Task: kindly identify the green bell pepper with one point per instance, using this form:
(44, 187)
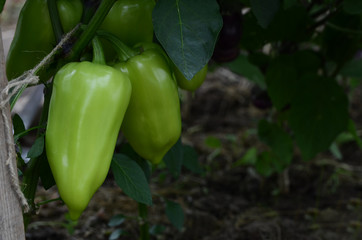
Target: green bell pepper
(34, 37)
(86, 110)
(194, 83)
(130, 21)
(152, 123)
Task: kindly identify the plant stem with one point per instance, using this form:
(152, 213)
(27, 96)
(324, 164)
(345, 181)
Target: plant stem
(54, 17)
(91, 29)
(89, 8)
(98, 56)
(124, 52)
(144, 227)
(49, 201)
(32, 173)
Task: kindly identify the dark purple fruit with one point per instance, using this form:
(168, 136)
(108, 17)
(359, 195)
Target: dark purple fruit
(227, 46)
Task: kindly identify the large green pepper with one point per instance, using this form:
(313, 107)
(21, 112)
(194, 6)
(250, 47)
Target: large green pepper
(86, 110)
(152, 123)
(130, 21)
(34, 37)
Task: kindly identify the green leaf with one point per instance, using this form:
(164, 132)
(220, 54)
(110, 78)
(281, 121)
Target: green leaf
(26, 132)
(213, 142)
(292, 24)
(2, 4)
(265, 164)
(307, 62)
(127, 149)
(190, 160)
(319, 112)
(283, 73)
(336, 151)
(188, 31)
(253, 37)
(18, 124)
(281, 78)
(173, 158)
(131, 179)
(46, 175)
(37, 149)
(279, 141)
(175, 214)
(249, 158)
(243, 67)
(116, 220)
(116, 234)
(352, 6)
(157, 229)
(265, 10)
(352, 69)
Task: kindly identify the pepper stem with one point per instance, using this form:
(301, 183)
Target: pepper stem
(98, 55)
(123, 51)
(91, 29)
(55, 19)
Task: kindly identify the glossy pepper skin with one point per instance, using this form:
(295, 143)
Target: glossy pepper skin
(87, 107)
(194, 83)
(130, 21)
(182, 82)
(152, 123)
(34, 37)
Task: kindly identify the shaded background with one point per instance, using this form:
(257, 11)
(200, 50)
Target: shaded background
(320, 199)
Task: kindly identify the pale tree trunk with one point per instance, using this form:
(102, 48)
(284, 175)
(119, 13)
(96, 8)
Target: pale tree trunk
(11, 218)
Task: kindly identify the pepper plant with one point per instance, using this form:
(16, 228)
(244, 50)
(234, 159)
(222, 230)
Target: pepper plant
(89, 99)
(301, 55)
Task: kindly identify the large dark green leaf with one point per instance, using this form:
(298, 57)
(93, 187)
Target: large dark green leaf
(131, 179)
(265, 10)
(188, 30)
(319, 112)
(283, 73)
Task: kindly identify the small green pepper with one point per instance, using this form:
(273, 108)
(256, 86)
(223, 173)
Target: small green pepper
(194, 83)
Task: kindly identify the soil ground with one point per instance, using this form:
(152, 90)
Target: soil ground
(316, 200)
